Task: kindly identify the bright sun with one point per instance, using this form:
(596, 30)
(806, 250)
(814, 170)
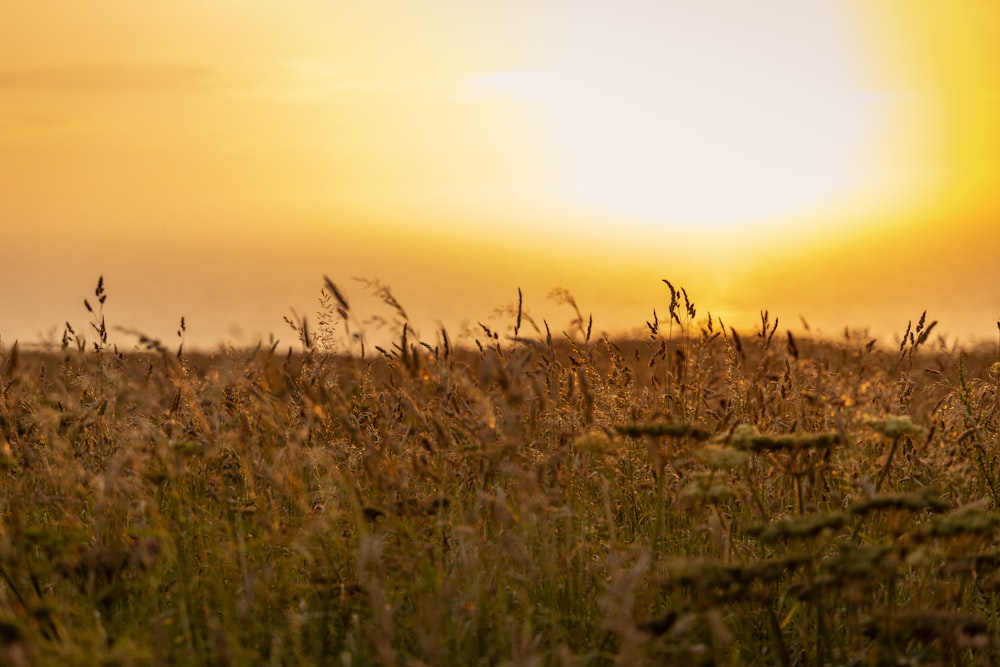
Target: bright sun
(686, 114)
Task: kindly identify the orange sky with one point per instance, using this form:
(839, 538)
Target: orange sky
(214, 159)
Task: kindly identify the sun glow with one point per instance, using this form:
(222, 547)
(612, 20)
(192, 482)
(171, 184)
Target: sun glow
(836, 159)
(688, 115)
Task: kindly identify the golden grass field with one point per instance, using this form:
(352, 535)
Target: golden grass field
(534, 496)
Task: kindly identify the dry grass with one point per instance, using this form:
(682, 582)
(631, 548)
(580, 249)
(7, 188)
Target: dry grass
(698, 497)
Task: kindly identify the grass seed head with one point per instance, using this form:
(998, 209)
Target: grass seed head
(895, 426)
(799, 527)
(721, 457)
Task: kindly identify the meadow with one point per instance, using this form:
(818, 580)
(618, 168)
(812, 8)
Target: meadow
(532, 495)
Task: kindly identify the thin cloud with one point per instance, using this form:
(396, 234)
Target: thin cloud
(306, 80)
(106, 78)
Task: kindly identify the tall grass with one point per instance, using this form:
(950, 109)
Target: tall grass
(534, 496)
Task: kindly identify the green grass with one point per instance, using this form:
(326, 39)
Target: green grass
(697, 497)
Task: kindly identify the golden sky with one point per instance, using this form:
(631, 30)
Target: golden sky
(213, 159)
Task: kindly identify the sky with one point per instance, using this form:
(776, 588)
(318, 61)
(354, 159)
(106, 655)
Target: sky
(834, 162)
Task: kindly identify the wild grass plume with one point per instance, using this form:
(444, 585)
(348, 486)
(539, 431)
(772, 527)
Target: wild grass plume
(531, 494)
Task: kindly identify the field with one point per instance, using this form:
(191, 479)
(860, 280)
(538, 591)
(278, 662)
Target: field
(535, 496)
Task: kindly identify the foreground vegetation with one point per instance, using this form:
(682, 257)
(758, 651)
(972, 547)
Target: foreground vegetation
(534, 497)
